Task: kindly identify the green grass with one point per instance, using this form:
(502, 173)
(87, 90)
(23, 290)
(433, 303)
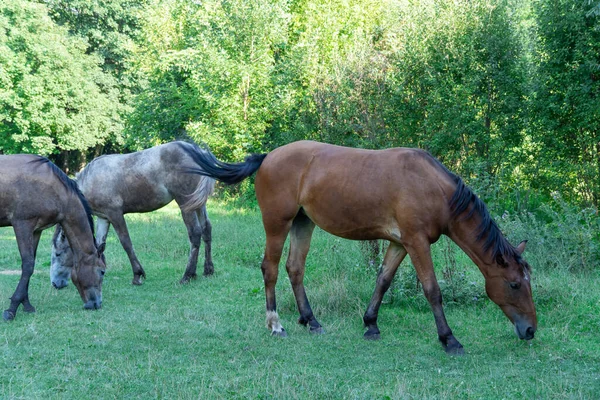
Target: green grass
(207, 340)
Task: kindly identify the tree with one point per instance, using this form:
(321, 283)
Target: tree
(568, 98)
(208, 67)
(53, 96)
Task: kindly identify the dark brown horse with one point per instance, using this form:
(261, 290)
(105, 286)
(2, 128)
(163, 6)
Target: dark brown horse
(139, 182)
(404, 196)
(34, 195)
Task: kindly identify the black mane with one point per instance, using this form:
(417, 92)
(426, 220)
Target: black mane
(487, 230)
(71, 186)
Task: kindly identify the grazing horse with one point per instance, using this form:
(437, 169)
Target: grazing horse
(404, 196)
(141, 182)
(34, 195)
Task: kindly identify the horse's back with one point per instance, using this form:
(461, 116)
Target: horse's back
(355, 193)
(28, 189)
(136, 182)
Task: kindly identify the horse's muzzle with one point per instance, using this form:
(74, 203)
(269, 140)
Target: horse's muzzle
(94, 301)
(60, 284)
(524, 331)
(93, 305)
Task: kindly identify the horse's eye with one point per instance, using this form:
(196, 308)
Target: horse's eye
(515, 285)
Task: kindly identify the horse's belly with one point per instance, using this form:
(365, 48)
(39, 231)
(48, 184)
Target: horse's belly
(355, 225)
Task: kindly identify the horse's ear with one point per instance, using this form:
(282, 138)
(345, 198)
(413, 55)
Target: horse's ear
(101, 249)
(521, 247)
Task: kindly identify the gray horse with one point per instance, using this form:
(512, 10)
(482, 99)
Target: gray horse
(139, 182)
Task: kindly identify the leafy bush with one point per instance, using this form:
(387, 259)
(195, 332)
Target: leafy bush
(560, 235)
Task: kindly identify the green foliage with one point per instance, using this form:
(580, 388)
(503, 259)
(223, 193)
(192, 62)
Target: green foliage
(109, 26)
(53, 95)
(568, 98)
(504, 92)
(211, 64)
(461, 83)
(560, 236)
(110, 29)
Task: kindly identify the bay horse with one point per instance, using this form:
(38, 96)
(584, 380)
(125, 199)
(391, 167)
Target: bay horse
(34, 195)
(401, 195)
(139, 182)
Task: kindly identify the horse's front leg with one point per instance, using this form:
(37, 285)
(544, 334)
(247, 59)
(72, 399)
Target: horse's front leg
(101, 233)
(27, 241)
(393, 257)
(420, 255)
(118, 221)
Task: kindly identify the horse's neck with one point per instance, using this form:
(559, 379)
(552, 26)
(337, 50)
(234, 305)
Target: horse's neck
(77, 229)
(464, 234)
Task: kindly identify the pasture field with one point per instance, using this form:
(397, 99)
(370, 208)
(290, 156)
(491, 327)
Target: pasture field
(208, 340)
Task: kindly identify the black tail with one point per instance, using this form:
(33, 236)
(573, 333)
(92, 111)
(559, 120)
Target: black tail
(222, 171)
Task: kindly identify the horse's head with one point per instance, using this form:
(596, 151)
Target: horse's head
(87, 276)
(508, 285)
(61, 260)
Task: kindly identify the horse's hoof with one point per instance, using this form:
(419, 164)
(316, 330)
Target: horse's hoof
(29, 309)
(208, 270)
(282, 333)
(317, 331)
(185, 280)
(455, 351)
(136, 282)
(8, 315)
(372, 335)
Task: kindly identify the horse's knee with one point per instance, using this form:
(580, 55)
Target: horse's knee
(295, 274)
(269, 273)
(27, 266)
(384, 282)
(207, 231)
(433, 294)
(195, 235)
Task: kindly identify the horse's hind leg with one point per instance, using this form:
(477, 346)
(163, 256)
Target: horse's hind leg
(28, 241)
(206, 228)
(300, 235)
(118, 221)
(276, 231)
(393, 257)
(194, 234)
(420, 256)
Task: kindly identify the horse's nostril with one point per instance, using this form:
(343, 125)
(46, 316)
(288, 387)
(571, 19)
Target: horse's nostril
(529, 333)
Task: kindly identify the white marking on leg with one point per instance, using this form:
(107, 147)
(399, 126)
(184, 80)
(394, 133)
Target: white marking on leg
(273, 322)
(101, 231)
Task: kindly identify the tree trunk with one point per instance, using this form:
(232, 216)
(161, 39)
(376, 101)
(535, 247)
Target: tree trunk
(81, 161)
(98, 150)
